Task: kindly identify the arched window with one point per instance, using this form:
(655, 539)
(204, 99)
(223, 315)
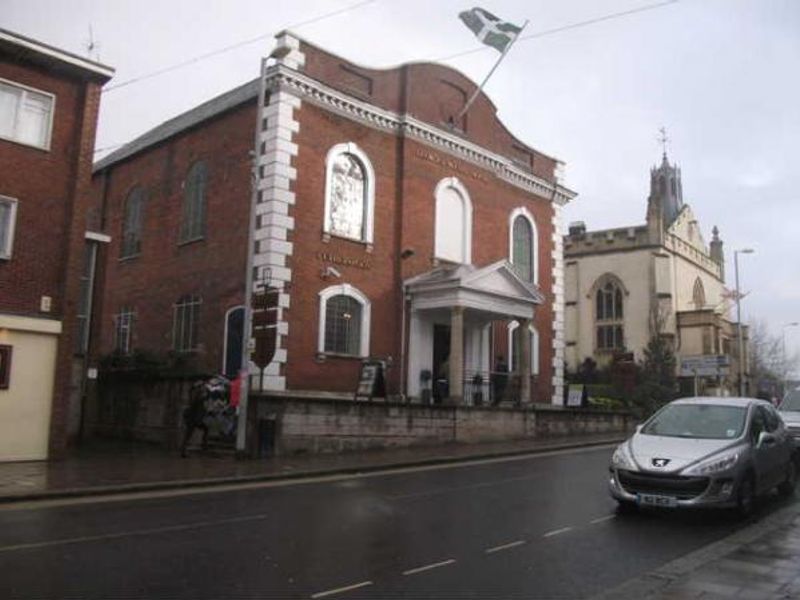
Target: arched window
(515, 347)
(193, 217)
(699, 294)
(609, 315)
(453, 241)
(344, 321)
(132, 223)
(349, 194)
(523, 245)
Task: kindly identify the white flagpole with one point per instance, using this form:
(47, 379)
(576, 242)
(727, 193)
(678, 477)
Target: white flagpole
(499, 60)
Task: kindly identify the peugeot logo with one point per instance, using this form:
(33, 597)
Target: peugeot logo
(660, 462)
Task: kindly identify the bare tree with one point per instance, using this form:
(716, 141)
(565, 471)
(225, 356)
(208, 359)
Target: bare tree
(770, 363)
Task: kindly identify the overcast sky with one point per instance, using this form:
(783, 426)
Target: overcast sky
(721, 75)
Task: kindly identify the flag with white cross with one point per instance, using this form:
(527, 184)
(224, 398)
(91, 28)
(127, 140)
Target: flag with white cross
(489, 29)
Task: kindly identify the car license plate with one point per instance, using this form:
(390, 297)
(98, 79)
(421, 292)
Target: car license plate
(656, 500)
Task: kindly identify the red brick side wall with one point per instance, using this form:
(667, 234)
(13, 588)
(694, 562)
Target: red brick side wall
(165, 270)
(53, 193)
(41, 181)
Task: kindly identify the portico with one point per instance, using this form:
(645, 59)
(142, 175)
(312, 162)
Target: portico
(452, 309)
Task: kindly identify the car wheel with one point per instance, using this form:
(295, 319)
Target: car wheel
(787, 487)
(746, 497)
(626, 507)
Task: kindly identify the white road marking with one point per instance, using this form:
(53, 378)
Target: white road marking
(311, 479)
(505, 546)
(340, 590)
(122, 534)
(602, 519)
(444, 563)
(557, 532)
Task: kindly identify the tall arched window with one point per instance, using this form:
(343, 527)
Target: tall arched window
(698, 294)
(609, 315)
(193, 217)
(132, 223)
(344, 321)
(515, 347)
(523, 245)
(453, 241)
(349, 194)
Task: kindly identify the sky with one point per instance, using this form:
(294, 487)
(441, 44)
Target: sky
(719, 75)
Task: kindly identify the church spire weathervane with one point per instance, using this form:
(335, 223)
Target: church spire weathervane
(663, 139)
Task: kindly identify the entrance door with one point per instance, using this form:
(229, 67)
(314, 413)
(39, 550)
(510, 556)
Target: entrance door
(441, 356)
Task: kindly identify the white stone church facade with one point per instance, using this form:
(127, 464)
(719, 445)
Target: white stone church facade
(624, 284)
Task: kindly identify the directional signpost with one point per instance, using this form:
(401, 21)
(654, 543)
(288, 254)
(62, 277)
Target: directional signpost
(705, 365)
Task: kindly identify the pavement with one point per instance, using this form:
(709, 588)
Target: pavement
(759, 560)
(112, 467)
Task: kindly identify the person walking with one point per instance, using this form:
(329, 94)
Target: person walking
(194, 416)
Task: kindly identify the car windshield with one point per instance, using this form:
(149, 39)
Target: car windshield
(791, 401)
(707, 421)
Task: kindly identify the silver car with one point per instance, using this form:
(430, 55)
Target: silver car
(698, 452)
(790, 412)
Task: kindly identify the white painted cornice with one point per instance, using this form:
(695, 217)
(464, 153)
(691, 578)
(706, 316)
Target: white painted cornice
(311, 90)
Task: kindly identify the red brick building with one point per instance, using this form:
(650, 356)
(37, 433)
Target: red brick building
(384, 225)
(49, 101)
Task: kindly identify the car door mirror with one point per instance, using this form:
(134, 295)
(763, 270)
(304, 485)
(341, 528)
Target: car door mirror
(639, 427)
(765, 439)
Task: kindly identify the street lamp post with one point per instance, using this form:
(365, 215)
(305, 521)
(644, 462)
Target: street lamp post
(784, 366)
(736, 254)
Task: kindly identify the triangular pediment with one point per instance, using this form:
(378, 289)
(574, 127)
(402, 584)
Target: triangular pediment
(500, 278)
(497, 279)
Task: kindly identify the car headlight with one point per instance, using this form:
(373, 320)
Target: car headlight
(621, 460)
(714, 465)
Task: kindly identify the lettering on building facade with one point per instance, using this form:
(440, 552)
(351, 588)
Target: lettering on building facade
(344, 261)
(450, 163)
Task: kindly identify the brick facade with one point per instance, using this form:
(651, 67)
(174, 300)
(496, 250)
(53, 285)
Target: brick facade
(407, 169)
(52, 189)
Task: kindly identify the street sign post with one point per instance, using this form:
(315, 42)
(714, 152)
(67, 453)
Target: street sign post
(704, 365)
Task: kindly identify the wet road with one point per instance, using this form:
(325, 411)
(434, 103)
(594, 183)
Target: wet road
(540, 526)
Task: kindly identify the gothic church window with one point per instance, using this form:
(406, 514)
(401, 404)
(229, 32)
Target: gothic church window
(609, 316)
(523, 245)
(349, 194)
(344, 321)
(698, 294)
(193, 218)
(453, 233)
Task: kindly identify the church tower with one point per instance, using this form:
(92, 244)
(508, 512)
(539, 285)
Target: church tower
(666, 190)
(717, 254)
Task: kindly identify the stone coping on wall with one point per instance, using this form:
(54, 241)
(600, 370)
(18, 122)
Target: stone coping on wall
(341, 399)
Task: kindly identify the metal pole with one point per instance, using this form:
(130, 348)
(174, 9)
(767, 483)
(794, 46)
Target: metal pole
(241, 429)
(739, 322)
(499, 60)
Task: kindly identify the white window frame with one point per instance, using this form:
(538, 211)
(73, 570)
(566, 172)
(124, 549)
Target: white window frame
(123, 324)
(513, 326)
(461, 190)
(25, 89)
(367, 236)
(526, 214)
(195, 302)
(345, 289)
(5, 253)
